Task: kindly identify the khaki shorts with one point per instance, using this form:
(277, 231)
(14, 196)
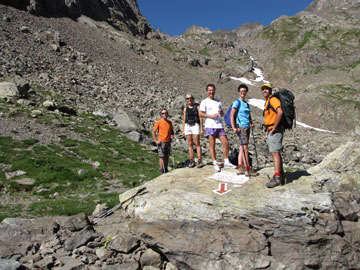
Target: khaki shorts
(164, 149)
(244, 135)
(274, 142)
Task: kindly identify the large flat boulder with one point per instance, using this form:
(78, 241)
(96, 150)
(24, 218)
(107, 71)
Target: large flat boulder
(202, 220)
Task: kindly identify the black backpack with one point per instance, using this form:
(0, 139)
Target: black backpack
(286, 98)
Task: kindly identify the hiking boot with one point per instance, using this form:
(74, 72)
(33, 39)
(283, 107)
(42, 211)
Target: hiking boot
(200, 164)
(241, 170)
(228, 165)
(250, 172)
(191, 163)
(283, 179)
(274, 182)
(216, 167)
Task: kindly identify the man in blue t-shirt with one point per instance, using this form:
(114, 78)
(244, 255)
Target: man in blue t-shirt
(241, 125)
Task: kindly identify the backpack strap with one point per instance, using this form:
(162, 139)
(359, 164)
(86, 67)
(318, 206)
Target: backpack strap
(269, 106)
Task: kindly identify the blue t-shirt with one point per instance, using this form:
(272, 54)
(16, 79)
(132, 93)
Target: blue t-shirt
(243, 116)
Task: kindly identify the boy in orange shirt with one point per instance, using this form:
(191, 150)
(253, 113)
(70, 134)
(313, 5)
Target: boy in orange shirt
(162, 134)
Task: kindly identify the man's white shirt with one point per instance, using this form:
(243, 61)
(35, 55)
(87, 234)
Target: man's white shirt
(212, 106)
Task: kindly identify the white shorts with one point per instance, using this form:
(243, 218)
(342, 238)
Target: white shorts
(192, 130)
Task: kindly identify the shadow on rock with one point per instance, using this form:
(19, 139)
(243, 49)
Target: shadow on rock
(293, 176)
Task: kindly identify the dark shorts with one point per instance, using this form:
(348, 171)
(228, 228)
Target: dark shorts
(217, 132)
(164, 149)
(274, 142)
(244, 135)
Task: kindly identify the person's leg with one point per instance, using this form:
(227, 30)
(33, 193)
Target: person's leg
(278, 164)
(212, 147)
(246, 156)
(241, 156)
(198, 146)
(191, 145)
(225, 146)
(161, 155)
(166, 161)
(161, 164)
(241, 164)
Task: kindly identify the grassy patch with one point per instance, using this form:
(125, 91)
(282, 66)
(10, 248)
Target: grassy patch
(169, 46)
(345, 94)
(205, 51)
(78, 172)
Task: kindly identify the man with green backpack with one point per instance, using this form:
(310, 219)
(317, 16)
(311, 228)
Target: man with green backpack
(274, 132)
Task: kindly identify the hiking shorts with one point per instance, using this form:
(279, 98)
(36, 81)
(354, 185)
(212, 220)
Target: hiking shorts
(192, 129)
(244, 135)
(164, 149)
(274, 142)
(217, 132)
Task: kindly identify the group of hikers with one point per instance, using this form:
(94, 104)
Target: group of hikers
(212, 111)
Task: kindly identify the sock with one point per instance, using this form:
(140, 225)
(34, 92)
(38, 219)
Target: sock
(226, 160)
(191, 157)
(240, 165)
(277, 174)
(214, 162)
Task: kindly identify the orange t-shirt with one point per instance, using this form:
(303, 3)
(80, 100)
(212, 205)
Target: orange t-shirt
(270, 115)
(164, 128)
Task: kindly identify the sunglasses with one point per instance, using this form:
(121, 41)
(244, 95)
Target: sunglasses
(189, 98)
(164, 113)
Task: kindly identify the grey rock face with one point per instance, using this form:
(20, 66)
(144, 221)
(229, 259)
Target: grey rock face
(8, 90)
(9, 265)
(126, 121)
(250, 226)
(80, 238)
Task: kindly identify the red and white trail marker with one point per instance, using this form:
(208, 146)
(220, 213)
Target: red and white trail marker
(223, 188)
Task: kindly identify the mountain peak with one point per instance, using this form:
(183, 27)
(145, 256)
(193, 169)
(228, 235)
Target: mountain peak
(194, 29)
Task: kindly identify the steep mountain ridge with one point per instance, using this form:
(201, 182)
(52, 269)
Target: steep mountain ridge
(122, 14)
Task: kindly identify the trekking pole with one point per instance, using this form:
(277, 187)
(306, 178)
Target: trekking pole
(173, 164)
(257, 161)
(118, 206)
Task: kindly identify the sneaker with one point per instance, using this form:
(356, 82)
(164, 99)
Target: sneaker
(241, 170)
(250, 172)
(274, 182)
(191, 163)
(216, 167)
(228, 165)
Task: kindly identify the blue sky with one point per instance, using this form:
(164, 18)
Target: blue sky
(174, 17)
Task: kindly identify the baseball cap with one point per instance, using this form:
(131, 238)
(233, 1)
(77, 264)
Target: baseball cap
(268, 85)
